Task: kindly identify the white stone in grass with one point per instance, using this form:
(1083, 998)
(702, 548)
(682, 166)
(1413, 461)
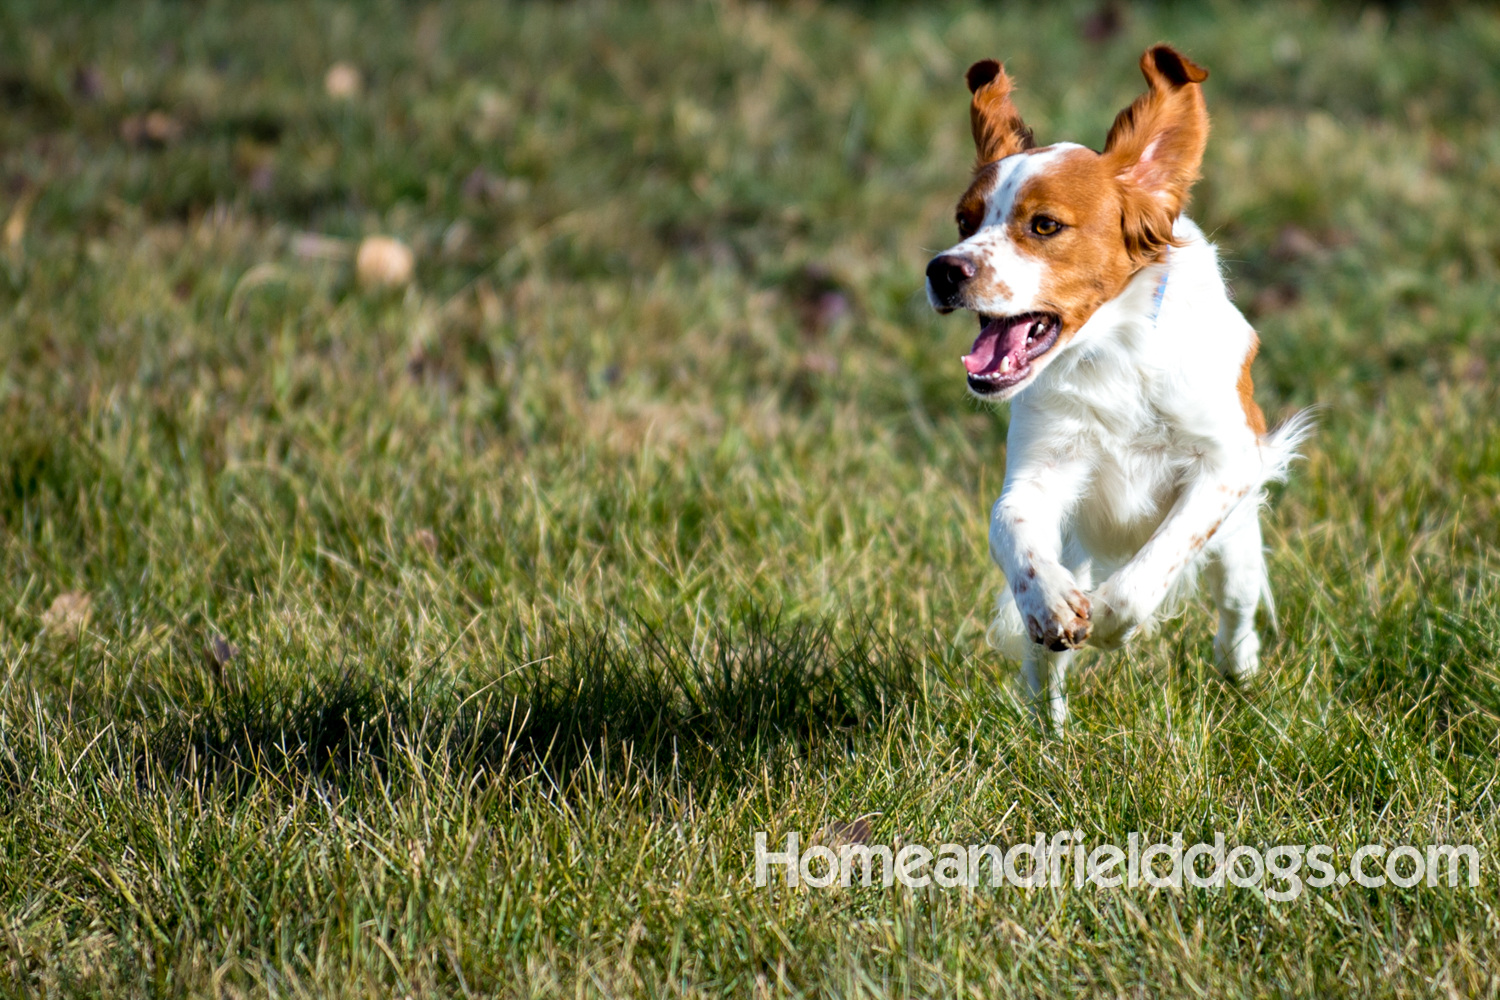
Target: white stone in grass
(427, 539)
(384, 262)
(344, 81)
(69, 614)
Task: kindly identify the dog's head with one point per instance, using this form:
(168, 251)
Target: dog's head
(1050, 234)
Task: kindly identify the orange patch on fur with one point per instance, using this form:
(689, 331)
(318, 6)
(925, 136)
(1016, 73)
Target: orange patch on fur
(1246, 386)
(1087, 263)
(971, 206)
(997, 125)
(1155, 147)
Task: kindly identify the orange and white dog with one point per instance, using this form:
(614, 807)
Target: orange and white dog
(1136, 453)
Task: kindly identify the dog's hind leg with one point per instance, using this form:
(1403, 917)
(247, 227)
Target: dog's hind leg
(1044, 680)
(1236, 576)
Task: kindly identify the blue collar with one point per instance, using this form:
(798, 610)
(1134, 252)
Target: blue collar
(1158, 295)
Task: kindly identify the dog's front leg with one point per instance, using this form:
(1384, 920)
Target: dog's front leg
(1026, 542)
(1129, 597)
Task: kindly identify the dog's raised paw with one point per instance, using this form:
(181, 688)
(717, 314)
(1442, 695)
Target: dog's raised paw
(1063, 628)
(1115, 619)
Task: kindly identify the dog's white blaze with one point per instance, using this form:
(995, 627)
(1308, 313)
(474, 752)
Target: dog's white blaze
(1014, 172)
(1019, 273)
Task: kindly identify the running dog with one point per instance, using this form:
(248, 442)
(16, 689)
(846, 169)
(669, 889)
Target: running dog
(1137, 455)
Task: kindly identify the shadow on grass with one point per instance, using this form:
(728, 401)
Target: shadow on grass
(759, 690)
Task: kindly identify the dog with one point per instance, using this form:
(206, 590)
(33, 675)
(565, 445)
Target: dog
(1136, 455)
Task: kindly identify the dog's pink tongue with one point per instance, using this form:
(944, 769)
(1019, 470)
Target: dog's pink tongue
(1000, 339)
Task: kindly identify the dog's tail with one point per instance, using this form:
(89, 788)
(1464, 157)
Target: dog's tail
(1278, 450)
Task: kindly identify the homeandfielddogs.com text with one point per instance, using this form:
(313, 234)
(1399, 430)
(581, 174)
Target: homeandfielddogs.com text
(1064, 859)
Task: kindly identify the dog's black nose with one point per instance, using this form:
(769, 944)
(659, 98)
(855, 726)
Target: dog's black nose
(948, 273)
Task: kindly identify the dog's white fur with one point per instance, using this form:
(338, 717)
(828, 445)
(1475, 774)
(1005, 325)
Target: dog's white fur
(1130, 463)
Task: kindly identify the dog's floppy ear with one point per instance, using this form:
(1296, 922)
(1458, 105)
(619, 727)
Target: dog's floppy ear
(1156, 146)
(998, 129)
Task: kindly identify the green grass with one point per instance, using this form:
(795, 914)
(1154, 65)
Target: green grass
(456, 640)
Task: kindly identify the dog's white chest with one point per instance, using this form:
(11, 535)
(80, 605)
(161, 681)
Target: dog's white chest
(1128, 495)
(1133, 458)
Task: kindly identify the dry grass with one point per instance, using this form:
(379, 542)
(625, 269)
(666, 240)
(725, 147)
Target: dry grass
(454, 639)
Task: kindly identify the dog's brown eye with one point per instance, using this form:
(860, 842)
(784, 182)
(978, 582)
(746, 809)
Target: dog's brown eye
(968, 224)
(1044, 226)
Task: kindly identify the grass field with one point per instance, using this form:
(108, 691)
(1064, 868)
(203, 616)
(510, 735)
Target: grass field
(455, 639)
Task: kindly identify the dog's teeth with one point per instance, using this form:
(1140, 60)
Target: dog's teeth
(1005, 364)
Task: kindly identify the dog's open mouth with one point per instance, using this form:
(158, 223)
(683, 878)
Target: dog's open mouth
(1006, 347)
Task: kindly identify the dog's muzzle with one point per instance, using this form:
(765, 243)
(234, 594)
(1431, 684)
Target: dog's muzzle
(946, 276)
